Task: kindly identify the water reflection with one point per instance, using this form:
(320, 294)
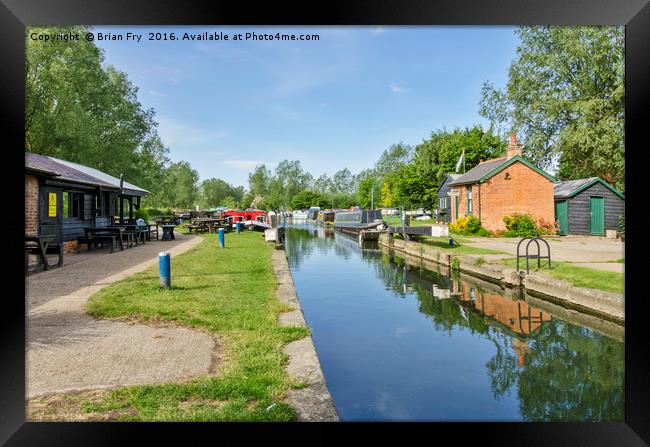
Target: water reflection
(486, 354)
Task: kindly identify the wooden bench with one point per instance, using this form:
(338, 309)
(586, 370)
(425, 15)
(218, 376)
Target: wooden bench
(194, 227)
(99, 239)
(41, 246)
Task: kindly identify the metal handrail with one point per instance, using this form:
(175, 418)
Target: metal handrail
(538, 255)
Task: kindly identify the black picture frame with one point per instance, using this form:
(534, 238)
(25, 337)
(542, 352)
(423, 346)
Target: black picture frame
(634, 14)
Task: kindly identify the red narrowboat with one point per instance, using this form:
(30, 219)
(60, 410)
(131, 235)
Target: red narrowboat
(245, 215)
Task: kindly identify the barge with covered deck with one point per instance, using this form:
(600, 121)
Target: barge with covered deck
(354, 222)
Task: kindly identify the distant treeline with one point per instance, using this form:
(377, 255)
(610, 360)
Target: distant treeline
(563, 98)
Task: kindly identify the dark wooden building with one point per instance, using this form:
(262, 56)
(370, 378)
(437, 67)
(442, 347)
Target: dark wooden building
(444, 198)
(588, 206)
(62, 198)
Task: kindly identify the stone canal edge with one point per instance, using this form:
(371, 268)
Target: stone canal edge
(607, 305)
(313, 403)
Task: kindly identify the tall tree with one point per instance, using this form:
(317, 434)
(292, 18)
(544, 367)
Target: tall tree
(565, 99)
(322, 184)
(214, 191)
(258, 181)
(182, 185)
(343, 182)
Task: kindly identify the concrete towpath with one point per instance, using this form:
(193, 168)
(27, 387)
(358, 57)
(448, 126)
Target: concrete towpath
(585, 251)
(68, 350)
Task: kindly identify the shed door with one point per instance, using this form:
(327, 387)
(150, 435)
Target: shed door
(50, 213)
(562, 216)
(597, 213)
(456, 206)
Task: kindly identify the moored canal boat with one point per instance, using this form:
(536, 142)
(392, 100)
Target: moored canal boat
(312, 214)
(356, 221)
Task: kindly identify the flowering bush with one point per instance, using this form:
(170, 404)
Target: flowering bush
(524, 225)
(549, 228)
(469, 226)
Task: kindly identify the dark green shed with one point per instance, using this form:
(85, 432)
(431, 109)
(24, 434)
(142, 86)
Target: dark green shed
(588, 206)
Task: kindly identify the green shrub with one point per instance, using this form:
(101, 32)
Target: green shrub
(142, 214)
(468, 226)
(455, 263)
(521, 225)
(483, 232)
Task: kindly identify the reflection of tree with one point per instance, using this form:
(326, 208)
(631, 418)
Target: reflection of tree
(560, 372)
(573, 374)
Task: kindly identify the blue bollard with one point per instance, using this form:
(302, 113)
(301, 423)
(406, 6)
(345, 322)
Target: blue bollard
(165, 269)
(238, 227)
(451, 242)
(222, 241)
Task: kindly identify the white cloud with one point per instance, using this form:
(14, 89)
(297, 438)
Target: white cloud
(377, 31)
(176, 133)
(155, 93)
(399, 89)
(246, 164)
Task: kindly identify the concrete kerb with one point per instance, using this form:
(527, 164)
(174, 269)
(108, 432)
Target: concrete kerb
(69, 351)
(603, 304)
(312, 403)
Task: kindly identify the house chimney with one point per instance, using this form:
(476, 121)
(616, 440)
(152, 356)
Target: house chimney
(514, 148)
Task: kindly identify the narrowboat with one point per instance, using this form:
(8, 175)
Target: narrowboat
(299, 215)
(326, 217)
(355, 221)
(245, 215)
(312, 214)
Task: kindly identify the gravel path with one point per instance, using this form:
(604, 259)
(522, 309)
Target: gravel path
(68, 350)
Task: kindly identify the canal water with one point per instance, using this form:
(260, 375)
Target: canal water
(401, 340)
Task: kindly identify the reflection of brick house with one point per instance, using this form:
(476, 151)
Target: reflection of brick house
(501, 187)
(516, 316)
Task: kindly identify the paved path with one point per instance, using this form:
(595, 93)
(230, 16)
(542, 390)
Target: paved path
(592, 249)
(68, 350)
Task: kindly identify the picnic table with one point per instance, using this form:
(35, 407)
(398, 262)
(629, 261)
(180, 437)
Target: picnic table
(95, 235)
(202, 224)
(40, 245)
(152, 231)
(168, 232)
(135, 233)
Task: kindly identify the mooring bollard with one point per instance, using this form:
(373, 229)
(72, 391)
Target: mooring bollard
(222, 241)
(165, 269)
(238, 227)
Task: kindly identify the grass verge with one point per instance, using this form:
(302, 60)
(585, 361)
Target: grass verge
(458, 248)
(229, 292)
(578, 276)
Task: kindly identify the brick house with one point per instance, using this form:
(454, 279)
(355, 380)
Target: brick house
(501, 187)
(62, 198)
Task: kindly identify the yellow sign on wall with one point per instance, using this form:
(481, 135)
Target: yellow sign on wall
(52, 205)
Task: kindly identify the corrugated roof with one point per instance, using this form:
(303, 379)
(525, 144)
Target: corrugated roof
(65, 170)
(114, 181)
(478, 171)
(565, 189)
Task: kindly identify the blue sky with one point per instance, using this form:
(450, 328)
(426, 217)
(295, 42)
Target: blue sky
(226, 106)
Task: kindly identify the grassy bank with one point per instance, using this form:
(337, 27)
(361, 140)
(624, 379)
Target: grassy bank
(230, 293)
(578, 276)
(442, 243)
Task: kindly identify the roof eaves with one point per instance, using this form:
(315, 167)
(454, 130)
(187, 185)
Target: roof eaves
(511, 161)
(590, 183)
